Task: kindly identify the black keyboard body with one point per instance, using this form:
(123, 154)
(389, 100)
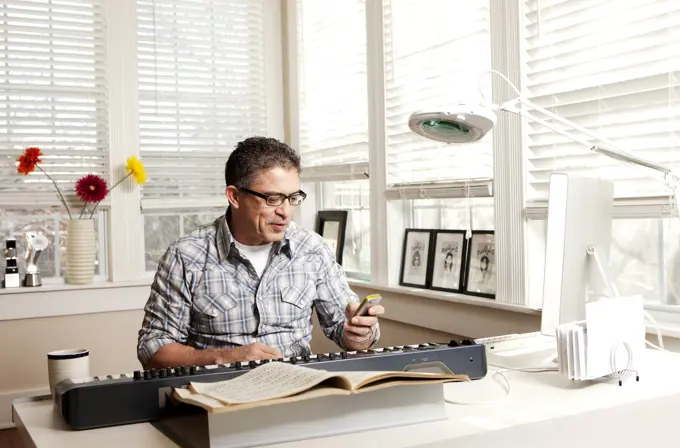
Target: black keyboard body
(143, 396)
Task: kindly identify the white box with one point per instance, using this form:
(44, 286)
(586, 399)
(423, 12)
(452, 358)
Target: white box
(319, 417)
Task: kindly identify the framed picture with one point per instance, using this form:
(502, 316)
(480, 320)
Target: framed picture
(331, 225)
(448, 260)
(415, 257)
(480, 273)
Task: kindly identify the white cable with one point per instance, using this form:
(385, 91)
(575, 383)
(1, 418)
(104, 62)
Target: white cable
(527, 369)
(484, 403)
(479, 83)
(659, 348)
(658, 330)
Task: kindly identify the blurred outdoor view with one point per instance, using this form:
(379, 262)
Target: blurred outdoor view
(161, 229)
(52, 223)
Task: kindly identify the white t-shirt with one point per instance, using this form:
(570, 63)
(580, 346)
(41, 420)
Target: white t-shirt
(257, 255)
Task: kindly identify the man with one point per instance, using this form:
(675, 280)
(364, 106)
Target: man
(243, 288)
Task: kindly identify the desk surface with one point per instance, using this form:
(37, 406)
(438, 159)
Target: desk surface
(534, 398)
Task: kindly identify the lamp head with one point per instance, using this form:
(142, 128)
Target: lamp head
(463, 123)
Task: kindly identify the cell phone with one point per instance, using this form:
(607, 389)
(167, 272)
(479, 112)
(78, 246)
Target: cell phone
(369, 301)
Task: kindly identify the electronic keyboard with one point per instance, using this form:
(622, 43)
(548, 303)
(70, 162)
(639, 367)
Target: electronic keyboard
(144, 395)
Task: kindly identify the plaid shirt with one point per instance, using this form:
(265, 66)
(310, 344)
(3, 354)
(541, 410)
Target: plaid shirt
(205, 294)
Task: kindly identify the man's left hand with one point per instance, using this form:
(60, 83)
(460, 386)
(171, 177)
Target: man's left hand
(361, 329)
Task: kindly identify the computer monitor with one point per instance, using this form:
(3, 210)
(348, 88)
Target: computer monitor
(577, 248)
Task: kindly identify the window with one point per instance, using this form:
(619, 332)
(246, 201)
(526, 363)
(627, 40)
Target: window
(333, 117)
(612, 70)
(202, 89)
(643, 259)
(431, 56)
(14, 223)
(352, 196)
(52, 95)
(434, 56)
(163, 227)
(457, 213)
(332, 95)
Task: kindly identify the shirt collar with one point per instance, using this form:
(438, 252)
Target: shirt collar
(225, 238)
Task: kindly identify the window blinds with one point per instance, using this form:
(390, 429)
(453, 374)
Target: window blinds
(434, 56)
(52, 95)
(202, 89)
(333, 115)
(613, 70)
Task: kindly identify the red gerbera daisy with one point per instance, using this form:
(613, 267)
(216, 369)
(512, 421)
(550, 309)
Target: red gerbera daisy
(91, 188)
(28, 160)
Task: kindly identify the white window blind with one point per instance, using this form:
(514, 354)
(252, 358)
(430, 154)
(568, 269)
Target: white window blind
(613, 69)
(52, 95)
(202, 89)
(434, 54)
(333, 104)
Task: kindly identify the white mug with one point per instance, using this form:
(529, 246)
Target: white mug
(67, 364)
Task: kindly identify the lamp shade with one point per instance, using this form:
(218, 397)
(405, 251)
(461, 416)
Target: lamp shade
(462, 124)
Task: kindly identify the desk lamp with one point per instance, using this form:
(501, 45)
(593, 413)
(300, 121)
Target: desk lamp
(466, 123)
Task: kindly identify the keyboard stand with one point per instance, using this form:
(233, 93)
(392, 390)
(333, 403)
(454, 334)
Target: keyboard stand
(319, 417)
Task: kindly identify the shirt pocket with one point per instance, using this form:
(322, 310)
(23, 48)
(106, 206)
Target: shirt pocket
(211, 313)
(296, 298)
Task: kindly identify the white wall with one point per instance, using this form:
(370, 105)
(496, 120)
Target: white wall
(110, 337)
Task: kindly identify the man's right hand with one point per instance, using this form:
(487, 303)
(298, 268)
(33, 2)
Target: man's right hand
(176, 354)
(251, 352)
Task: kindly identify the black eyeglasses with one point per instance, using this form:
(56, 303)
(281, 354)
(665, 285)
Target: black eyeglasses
(275, 200)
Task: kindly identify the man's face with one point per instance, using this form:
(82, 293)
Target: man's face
(264, 223)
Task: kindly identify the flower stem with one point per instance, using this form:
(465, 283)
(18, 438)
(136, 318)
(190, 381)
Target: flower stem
(93, 209)
(116, 184)
(110, 190)
(63, 201)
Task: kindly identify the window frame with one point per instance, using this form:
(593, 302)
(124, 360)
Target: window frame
(385, 200)
(123, 230)
(516, 242)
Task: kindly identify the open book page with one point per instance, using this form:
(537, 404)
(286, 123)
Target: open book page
(204, 401)
(278, 382)
(363, 379)
(268, 381)
(217, 407)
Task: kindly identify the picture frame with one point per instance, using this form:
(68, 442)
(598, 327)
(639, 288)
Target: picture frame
(331, 225)
(415, 257)
(480, 272)
(448, 259)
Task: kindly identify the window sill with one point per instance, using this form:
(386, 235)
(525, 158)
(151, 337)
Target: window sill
(54, 300)
(667, 329)
(65, 299)
(669, 322)
(446, 296)
(60, 286)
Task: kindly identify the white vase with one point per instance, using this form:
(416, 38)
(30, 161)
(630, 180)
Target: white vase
(80, 251)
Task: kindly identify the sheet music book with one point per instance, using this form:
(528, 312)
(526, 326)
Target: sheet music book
(599, 345)
(279, 382)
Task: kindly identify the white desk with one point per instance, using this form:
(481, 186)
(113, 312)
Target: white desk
(542, 410)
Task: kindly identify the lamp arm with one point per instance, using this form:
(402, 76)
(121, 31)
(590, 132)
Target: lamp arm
(608, 149)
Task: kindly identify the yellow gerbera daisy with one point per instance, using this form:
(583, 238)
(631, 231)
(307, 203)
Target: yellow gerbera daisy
(135, 166)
